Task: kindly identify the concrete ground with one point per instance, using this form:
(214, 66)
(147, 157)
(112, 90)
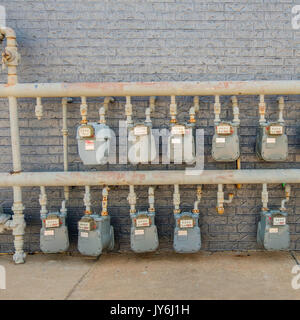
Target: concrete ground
(162, 275)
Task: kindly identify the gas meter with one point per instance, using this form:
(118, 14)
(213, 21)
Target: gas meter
(272, 142)
(273, 231)
(225, 143)
(181, 144)
(143, 236)
(187, 237)
(94, 142)
(141, 143)
(54, 233)
(95, 234)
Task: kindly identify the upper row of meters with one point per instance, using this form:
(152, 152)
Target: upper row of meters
(96, 141)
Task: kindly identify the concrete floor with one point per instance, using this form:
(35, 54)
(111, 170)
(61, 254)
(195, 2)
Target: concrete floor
(162, 275)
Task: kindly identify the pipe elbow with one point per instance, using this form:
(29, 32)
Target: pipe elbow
(8, 32)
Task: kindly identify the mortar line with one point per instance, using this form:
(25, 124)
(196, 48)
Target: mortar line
(81, 279)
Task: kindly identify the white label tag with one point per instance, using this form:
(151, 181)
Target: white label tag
(89, 144)
(271, 140)
(84, 226)
(279, 221)
(223, 130)
(139, 232)
(84, 234)
(182, 232)
(220, 140)
(140, 131)
(49, 232)
(177, 141)
(273, 230)
(188, 223)
(145, 222)
(52, 223)
(276, 129)
(178, 130)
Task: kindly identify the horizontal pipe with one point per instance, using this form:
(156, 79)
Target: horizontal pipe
(154, 177)
(32, 90)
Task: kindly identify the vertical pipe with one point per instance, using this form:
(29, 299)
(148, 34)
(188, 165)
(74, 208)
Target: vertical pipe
(18, 218)
(265, 196)
(217, 110)
(281, 108)
(176, 199)
(104, 211)
(65, 142)
(173, 109)
(151, 199)
(262, 109)
(87, 200)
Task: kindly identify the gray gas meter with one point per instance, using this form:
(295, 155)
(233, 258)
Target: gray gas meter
(54, 233)
(181, 144)
(273, 231)
(143, 236)
(94, 143)
(225, 143)
(272, 142)
(187, 237)
(141, 144)
(95, 234)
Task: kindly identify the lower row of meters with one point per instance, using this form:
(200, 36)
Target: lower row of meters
(97, 234)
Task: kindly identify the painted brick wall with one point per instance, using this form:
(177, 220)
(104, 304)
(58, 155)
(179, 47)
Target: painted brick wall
(160, 40)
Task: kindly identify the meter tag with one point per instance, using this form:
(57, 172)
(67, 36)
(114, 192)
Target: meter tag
(276, 130)
(140, 131)
(84, 234)
(49, 232)
(279, 221)
(182, 232)
(145, 222)
(89, 145)
(84, 225)
(271, 140)
(224, 129)
(220, 140)
(186, 223)
(176, 141)
(52, 223)
(178, 130)
(273, 230)
(139, 232)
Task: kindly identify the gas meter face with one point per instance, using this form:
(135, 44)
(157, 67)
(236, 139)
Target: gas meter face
(273, 232)
(95, 234)
(225, 143)
(54, 236)
(181, 144)
(141, 144)
(272, 143)
(94, 140)
(143, 235)
(187, 236)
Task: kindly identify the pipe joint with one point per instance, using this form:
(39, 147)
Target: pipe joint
(39, 108)
(173, 109)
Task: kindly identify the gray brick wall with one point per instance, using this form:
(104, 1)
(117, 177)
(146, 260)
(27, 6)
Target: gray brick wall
(159, 40)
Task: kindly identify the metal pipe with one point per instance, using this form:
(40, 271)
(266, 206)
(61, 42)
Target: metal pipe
(151, 199)
(217, 110)
(262, 109)
(43, 202)
(287, 196)
(83, 110)
(235, 110)
(199, 196)
(123, 89)
(194, 109)
(265, 196)
(173, 109)
(104, 211)
(281, 108)
(153, 177)
(132, 199)
(128, 111)
(39, 108)
(176, 199)
(65, 142)
(87, 200)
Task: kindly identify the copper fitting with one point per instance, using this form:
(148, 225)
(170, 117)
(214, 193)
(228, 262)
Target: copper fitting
(220, 210)
(195, 211)
(87, 212)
